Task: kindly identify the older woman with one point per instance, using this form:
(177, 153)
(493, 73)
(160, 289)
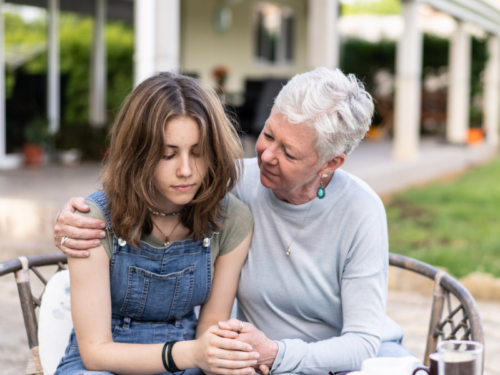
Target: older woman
(314, 287)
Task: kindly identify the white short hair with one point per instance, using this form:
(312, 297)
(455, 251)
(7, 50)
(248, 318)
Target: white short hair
(336, 106)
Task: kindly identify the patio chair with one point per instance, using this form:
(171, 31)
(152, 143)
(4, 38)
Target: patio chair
(20, 267)
(450, 325)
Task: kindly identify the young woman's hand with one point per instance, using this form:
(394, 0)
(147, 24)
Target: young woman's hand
(216, 351)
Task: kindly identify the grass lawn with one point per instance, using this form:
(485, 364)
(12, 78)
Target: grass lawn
(451, 224)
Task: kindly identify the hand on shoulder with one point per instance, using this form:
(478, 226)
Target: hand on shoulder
(82, 232)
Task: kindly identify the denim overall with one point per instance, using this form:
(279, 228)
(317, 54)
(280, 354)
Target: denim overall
(153, 293)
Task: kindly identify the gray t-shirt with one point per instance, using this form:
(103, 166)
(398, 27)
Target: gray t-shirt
(325, 302)
(237, 225)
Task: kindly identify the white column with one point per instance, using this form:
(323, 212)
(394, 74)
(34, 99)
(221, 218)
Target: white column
(3, 129)
(459, 85)
(492, 91)
(157, 37)
(408, 86)
(98, 76)
(53, 76)
(168, 21)
(323, 40)
(145, 42)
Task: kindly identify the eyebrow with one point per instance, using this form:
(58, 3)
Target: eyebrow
(174, 146)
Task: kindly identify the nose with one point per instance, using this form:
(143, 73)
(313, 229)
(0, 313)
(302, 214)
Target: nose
(269, 155)
(185, 169)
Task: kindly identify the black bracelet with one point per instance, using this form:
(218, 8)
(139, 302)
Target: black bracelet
(163, 357)
(171, 362)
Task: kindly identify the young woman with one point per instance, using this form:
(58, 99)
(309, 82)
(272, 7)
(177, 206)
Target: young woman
(175, 239)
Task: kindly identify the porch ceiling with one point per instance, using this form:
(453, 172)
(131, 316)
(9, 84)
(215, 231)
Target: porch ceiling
(117, 9)
(478, 12)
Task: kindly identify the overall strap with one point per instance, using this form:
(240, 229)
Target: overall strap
(100, 199)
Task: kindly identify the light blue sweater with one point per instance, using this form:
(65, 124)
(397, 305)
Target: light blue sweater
(325, 302)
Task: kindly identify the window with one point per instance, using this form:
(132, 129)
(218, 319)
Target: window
(275, 34)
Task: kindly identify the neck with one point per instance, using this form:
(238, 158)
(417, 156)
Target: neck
(164, 205)
(302, 194)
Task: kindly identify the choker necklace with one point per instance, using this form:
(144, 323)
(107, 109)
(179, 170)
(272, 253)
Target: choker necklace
(166, 215)
(288, 251)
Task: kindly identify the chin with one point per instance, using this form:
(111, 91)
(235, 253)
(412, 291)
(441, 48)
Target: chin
(180, 199)
(266, 182)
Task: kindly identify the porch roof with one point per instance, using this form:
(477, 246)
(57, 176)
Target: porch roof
(479, 12)
(116, 9)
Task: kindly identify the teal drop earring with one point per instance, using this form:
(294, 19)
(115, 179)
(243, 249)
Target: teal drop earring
(320, 193)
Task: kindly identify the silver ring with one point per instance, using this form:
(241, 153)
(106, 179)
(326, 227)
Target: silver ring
(63, 240)
(241, 326)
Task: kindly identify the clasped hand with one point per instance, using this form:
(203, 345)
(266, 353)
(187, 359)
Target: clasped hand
(224, 350)
(249, 334)
(217, 351)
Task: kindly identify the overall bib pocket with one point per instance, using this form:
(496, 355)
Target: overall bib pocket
(158, 297)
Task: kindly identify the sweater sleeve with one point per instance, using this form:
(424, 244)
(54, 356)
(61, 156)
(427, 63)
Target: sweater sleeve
(363, 295)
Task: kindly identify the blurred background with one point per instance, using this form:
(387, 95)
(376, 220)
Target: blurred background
(432, 66)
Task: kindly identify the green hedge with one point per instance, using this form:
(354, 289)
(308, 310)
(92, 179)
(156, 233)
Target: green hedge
(75, 48)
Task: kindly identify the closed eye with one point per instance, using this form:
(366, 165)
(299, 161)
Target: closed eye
(288, 155)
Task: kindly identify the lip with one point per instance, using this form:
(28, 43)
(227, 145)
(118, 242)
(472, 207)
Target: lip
(183, 188)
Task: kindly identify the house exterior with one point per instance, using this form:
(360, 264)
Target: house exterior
(252, 39)
(244, 46)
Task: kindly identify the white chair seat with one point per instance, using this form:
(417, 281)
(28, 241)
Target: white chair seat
(54, 322)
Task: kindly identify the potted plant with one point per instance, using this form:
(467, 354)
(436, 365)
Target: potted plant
(37, 137)
(475, 136)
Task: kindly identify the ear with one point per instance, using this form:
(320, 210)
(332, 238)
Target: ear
(332, 165)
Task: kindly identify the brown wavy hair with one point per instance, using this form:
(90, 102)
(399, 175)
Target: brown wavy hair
(138, 144)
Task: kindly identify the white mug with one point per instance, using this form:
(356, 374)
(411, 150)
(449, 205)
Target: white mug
(389, 366)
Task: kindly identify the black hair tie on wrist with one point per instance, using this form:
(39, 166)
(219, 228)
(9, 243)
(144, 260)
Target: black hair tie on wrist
(170, 367)
(163, 357)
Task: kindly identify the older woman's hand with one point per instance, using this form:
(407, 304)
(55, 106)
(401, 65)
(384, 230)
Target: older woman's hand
(83, 232)
(268, 349)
